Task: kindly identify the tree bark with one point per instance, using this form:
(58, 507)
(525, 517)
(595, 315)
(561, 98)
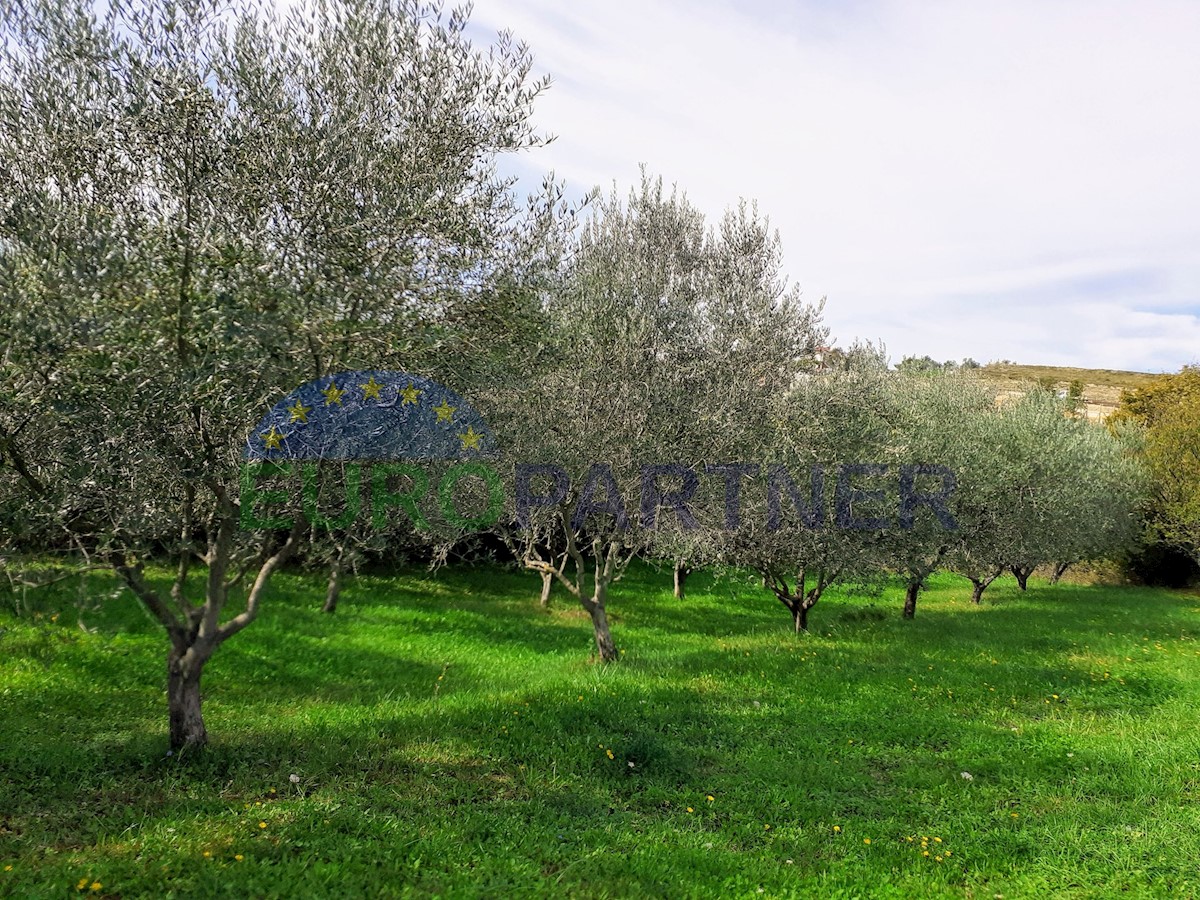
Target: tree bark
(1060, 569)
(334, 589)
(980, 585)
(604, 641)
(195, 631)
(186, 720)
(547, 582)
(681, 575)
(800, 617)
(595, 607)
(910, 599)
(1022, 574)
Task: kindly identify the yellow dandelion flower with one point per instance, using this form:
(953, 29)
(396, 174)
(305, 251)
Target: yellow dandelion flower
(609, 753)
(866, 840)
(947, 852)
(238, 857)
(766, 827)
(937, 840)
(690, 809)
(710, 798)
(938, 858)
(96, 885)
(207, 854)
(837, 829)
(8, 868)
(924, 852)
(82, 884)
(262, 824)
(1014, 815)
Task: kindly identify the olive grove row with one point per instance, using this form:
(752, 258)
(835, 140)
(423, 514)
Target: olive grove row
(206, 206)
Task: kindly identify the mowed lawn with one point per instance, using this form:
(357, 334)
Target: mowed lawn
(452, 739)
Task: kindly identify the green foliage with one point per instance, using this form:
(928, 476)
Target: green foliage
(263, 199)
(670, 338)
(918, 365)
(1046, 486)
(1169, 410)
(206, 205)
(1160, 396)
(447, 742)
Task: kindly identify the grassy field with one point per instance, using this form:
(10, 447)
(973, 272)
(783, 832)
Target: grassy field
(1102, 388)
(1062, 376)
(451, 739)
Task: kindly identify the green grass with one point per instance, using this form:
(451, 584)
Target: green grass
(451, 739)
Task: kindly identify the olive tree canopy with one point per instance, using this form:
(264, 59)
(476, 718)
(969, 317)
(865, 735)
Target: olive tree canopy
(206, 205)
(669, 339)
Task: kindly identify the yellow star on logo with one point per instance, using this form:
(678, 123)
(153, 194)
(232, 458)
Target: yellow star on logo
(445, 412)
(272, 438)
(371, 389)
(299, 412)
(470, 440)
(409, 395)
(333, 394)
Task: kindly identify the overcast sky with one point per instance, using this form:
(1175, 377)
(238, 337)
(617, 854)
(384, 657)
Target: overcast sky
(1009, 180)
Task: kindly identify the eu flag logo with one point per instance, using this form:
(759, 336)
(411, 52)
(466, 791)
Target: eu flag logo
(370, 415)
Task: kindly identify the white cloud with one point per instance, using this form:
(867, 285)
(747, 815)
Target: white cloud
(1001, 181)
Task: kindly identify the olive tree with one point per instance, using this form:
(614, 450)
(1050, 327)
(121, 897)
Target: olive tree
(667, 338)
(800, 524)
(1069, 490)
(1048, 487)
(207, 205)
(758, 340)
(932, 444)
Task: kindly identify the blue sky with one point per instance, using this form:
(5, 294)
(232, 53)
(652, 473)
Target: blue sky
(1001, 181)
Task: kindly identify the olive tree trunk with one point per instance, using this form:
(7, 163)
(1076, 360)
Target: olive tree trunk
(682, 572)
(981, 583)
(195, 630)
(1022, 573)
(601, 567)
(184, 716)
(803, 598)
(910, 597)
(333, 590)
(604, 640)
(1060, 569)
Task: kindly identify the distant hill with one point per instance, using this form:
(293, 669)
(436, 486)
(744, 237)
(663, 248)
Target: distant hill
(1101, 387)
